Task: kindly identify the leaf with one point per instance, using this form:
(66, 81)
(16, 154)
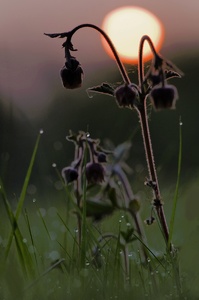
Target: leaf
(98, 209)
(112, 195)
(54, 35)
(104, 88)
(170, 74)
(121, 151)
(127, 235)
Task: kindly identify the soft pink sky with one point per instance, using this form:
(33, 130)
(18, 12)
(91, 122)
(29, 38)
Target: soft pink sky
(25, 53)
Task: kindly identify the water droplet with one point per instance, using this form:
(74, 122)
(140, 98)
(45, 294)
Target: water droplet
(24, 241)
(120, 221)
(122, 216)
(54, 255)
(87, 134)
(34, 200)
(41, 131)
(128, 224)
(181, 123)
(76, 230)
(32, 189)
(54, 165)
(148, 259)
(87, 263)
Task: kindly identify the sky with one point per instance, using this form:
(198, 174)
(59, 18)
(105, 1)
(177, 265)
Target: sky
(30, 62)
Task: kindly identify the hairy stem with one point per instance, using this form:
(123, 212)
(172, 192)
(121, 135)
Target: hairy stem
(112, 47)
(152, 170)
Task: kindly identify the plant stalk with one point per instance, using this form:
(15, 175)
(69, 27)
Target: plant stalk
(152, 170)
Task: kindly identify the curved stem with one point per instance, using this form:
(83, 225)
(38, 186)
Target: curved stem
(152, 169)
(120, 64)
(141, 47)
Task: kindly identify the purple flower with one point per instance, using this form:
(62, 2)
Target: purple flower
(72, 74)
(164, 96)
(69, 174)
(126, 95)
(94, 172)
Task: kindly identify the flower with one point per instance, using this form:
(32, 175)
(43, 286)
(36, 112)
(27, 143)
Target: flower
(94, 172)
(126, 95)
(164, 96)
(72, 74)
(101, 156)
(69, 174)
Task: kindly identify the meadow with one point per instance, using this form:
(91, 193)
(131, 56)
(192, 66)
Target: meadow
(89, 222)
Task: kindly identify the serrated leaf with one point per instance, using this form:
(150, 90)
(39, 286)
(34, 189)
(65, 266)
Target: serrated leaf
(104, 88)
(170, 74)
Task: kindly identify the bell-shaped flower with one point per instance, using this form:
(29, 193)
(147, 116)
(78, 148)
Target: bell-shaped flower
(94, 172)
(126, 95)
(69, 174)
(72, 74)
(164, 96)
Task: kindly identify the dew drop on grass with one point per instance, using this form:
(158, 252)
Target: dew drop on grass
(128, 224)
(87, 134)
(54, 255)
(34, 200)
(41, 131)
(180, 123)
(54, 165)
(24, 241)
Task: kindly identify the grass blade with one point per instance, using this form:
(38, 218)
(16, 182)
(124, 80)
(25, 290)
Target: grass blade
(23, 192)
(22, 250)
(175, 199)
(27, 178)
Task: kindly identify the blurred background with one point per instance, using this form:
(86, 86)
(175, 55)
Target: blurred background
(32, 96)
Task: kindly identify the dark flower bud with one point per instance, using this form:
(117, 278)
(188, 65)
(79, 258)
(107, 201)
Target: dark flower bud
(164, 97)
(126, 95)
(69, 174)
(94, 172)
(72, 74)
(101, 156)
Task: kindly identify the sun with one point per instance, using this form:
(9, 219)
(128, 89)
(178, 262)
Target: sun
(125, 26)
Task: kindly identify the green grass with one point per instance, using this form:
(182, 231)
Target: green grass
(40, 258)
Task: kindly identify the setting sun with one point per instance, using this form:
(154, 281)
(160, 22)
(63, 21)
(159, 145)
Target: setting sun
(125, 26)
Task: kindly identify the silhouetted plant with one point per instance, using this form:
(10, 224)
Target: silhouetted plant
(151, 86)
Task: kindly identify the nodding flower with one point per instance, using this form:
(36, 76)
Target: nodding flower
(126, 95)
(69, 174)
(94, 172)
(72, 74)
(163, 97)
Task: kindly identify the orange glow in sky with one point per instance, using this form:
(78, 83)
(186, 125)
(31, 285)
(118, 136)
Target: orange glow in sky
(125, 26)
